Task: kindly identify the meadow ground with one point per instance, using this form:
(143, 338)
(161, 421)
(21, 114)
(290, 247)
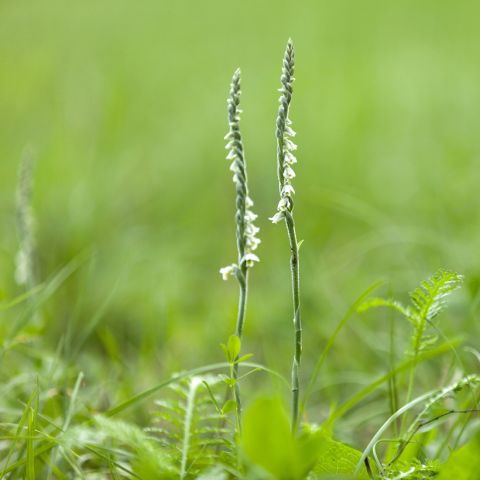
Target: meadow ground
(123, 105)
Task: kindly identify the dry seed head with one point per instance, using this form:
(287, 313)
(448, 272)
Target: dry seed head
(246, 231)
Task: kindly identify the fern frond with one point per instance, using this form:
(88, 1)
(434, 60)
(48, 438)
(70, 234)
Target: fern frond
(385, 302)
(430, 298)
(427, 301)
(188, 426)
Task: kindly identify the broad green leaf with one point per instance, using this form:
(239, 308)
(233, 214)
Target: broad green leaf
(463, 464)
(229, 406)
(225, 351)
(267, 440)
(337, 458)
(233, 347)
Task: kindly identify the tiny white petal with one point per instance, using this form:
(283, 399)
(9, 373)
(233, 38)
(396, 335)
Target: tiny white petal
(289, 145)
(231, 155)
(250, 216)
(248, 202)
(227, 271)
(288, 190)
(278, 217)
(230, 144)
(290, 131)
(282, 204)
(288, 173)
(290, 158)
(253, 242)
(250, 259)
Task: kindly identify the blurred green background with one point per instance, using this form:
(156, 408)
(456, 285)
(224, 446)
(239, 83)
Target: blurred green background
(124, 104)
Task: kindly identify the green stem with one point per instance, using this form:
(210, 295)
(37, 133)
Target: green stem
(295, 271)
(242, 304)
(411, 378)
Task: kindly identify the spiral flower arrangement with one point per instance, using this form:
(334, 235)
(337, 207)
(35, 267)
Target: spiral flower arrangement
(284, 133)
(246, 231)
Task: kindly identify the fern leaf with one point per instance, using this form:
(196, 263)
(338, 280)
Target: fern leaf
(430, 298)
(427, 301)
(385, 302)
(191, 429)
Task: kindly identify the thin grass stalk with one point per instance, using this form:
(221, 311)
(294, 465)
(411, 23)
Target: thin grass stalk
(246, 231)
(285, 162)
(25, 270)
(384, 427)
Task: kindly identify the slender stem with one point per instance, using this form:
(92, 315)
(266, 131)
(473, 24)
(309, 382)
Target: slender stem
(245, 232)
(389, 421)
(295, 271)
(242, 303)
(420, 425)
(411, 381)
(285, 160)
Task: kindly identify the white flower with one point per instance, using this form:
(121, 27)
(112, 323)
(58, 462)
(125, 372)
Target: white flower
(228, 271)
(231, 155)
(290, 158)
(250, 259)
(289, 145)
(288, 173)
(247, 241)
(251, 229)
(282, 204)
(287, 190)
(278, 217)
(289, 131)
(253, 243)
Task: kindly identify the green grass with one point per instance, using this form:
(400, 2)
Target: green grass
(123, 107)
